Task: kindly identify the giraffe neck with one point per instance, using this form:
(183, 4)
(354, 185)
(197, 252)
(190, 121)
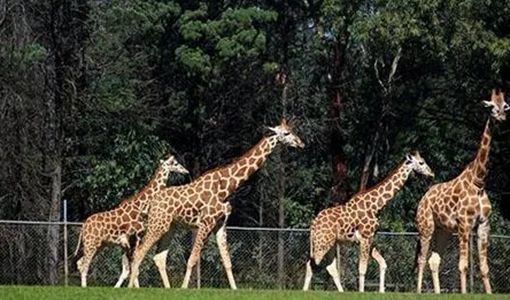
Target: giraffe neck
(385, 191)
(158, 181)
(478, 167)
(236, 173)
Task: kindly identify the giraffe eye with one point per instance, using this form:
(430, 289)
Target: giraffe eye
(421, 163)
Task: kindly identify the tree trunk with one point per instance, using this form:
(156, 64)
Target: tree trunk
(281, 199)
(339, 159)
(54, 230)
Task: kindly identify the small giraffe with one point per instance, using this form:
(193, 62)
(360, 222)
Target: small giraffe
(203, 205)
(122, 225)
(458, 206)
(356, 221)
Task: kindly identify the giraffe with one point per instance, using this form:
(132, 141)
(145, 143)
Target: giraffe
(356, 221)
(123, 225)
(458, 206)
(203, 205)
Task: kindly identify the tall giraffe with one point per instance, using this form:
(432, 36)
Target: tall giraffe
(123, 225)
(458, 206)
(356, 221)
(203, 204)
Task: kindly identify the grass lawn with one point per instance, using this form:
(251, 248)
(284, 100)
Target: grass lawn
(57, 293)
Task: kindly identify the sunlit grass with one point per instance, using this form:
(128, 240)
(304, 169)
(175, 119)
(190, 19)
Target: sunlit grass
(43, 293)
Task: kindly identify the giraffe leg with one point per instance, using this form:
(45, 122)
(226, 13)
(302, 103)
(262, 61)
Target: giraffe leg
(463, 255)
(89, 250)
(363, 261)
(434, 262)
(382, 268)
(333, 271)
(161, 256)
(125, 270)
(440, 237)
(425, 231)
(200, 238)
(152, 235)
(221, 238)
(316, 256)
(308, 276)
(483, 243)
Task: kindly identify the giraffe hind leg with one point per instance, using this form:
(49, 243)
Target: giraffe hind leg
(364, 251)
(161, 257)
(315, 262)
(332, 269)
(483, 243)
(202, 234)
(221, 238)
(152, 235)
(125, 270)
(382, 268)
(83, 264)
(464, 231)
(434, 262)
(308, 275)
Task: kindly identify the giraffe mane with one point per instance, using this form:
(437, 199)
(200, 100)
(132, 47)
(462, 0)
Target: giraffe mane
(381, 182)
(235, 160)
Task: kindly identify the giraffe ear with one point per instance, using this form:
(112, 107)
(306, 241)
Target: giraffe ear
(506, 107)
(409, 158)
(487, 103)
(273, 129)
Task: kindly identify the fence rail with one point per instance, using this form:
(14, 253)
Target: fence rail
(30, 254)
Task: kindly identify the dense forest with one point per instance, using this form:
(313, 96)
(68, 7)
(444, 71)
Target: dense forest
(94, 93)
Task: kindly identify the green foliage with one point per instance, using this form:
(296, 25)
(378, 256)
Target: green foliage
(129, 158)
(200, 76)
(213, 42)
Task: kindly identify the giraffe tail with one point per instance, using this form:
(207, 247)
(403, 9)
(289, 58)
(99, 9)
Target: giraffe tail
(79, 244)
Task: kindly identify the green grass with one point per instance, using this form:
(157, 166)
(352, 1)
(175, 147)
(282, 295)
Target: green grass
(44, 293)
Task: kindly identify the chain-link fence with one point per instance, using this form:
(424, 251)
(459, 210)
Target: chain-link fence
(34, 253)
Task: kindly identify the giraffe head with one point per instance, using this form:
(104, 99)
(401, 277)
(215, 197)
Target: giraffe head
(418, 164)
(498, 105)
(286, 136)
(172, 165)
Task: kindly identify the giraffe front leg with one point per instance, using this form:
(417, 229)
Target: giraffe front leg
(382, 268)
(463, 256)
(221, 239)
(200, 238)
(125, 270)
(364, 250)
(483, 243)
(332, 269)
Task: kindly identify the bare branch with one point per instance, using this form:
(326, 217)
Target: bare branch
(376, 69)
(394, 66)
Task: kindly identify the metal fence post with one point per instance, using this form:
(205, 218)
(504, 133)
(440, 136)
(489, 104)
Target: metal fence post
(66, 266)
(471, 264)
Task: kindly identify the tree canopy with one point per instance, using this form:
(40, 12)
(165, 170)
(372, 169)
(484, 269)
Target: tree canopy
(94, 93)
